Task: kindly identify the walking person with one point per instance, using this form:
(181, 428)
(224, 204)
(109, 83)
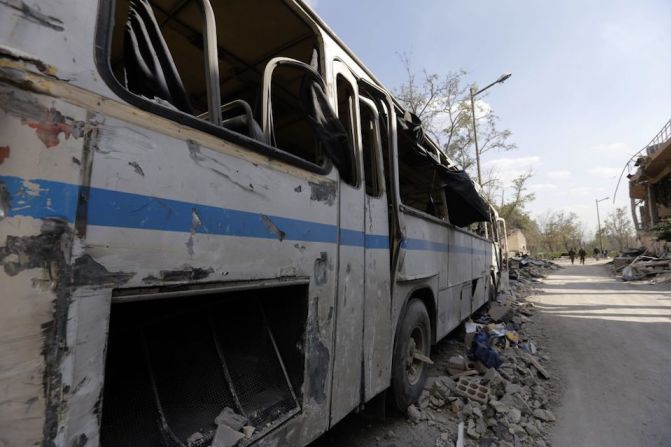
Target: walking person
(571, 254)
(582, 253)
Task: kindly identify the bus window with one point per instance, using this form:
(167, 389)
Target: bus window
(370, 146)
(291, 127)
(421, 186)
(346, 115)
(158, 54)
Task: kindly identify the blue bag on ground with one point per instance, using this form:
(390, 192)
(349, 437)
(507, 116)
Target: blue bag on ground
(481, 351)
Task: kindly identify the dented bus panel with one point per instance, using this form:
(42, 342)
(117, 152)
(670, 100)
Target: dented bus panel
(209, 206)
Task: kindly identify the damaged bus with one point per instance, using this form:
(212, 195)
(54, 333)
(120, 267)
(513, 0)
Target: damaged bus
(216, 206)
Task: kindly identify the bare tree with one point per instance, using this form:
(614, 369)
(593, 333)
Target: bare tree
(520, 197)
(560, 230)
(618, 227)
(443, 105)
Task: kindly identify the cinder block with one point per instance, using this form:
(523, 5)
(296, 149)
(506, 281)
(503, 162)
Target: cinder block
(471, 390)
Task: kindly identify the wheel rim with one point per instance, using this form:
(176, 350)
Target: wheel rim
(413, 366)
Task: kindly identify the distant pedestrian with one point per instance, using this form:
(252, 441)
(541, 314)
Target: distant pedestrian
(582, 253)
(596, 253)
(571, 254)
(605, 254)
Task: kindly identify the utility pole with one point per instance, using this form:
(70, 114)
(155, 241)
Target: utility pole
(598, 221)
(473, 93)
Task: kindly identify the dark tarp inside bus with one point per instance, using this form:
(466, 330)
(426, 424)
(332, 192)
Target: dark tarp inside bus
(464, 204)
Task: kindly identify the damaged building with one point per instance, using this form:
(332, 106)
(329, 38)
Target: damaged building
(650, 189)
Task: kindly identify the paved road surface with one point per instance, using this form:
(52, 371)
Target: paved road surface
(611, 342)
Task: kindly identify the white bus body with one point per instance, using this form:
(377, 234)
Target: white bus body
(159, 266)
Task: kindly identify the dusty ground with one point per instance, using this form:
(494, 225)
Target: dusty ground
(611, 342)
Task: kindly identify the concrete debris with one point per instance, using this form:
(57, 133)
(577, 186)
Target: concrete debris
(225, 436)
(248, 431)
(643, 266)
(231, 428)
(196, 439)
(229, 417)
(505, 403)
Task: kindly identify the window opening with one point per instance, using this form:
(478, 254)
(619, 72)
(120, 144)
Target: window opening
(370, 146)
(346, 115)
(292, 129)
(159, 49)
(420, 185)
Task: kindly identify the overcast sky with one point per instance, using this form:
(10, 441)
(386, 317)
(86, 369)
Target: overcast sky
(591, 80)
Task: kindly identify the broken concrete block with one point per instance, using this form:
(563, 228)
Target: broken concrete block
(229, 417)
(514, 415)
(436, 402)
(532, 430)
(472, 390)
(423, 400)
(195, 439)
(544, 415)
(225, 436)
(248, 430)
(532, 361)
(499, 406)
(456, 364)
(512, 388)
(414, 414)
(471, 431)
(498, 312)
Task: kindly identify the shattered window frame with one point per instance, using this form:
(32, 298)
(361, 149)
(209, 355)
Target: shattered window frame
(102, 55)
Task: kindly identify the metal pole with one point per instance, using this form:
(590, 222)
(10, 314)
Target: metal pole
(475, 138)
(598, 220)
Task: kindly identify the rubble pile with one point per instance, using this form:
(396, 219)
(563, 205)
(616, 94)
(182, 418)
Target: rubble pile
(497, 391)
(636, 265)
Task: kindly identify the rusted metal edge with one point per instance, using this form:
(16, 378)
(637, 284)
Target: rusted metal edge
(161, 292)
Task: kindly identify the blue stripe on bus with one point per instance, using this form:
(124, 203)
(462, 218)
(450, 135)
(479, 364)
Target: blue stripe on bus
(42, 199)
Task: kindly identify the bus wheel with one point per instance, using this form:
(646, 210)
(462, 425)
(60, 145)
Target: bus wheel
(410, 355)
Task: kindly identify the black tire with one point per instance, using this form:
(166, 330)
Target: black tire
(408, 375)
(492, 288)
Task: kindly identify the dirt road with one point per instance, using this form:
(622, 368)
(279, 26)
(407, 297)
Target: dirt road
(611, 342)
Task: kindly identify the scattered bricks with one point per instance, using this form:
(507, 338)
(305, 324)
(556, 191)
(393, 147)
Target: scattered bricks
(472, 390)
